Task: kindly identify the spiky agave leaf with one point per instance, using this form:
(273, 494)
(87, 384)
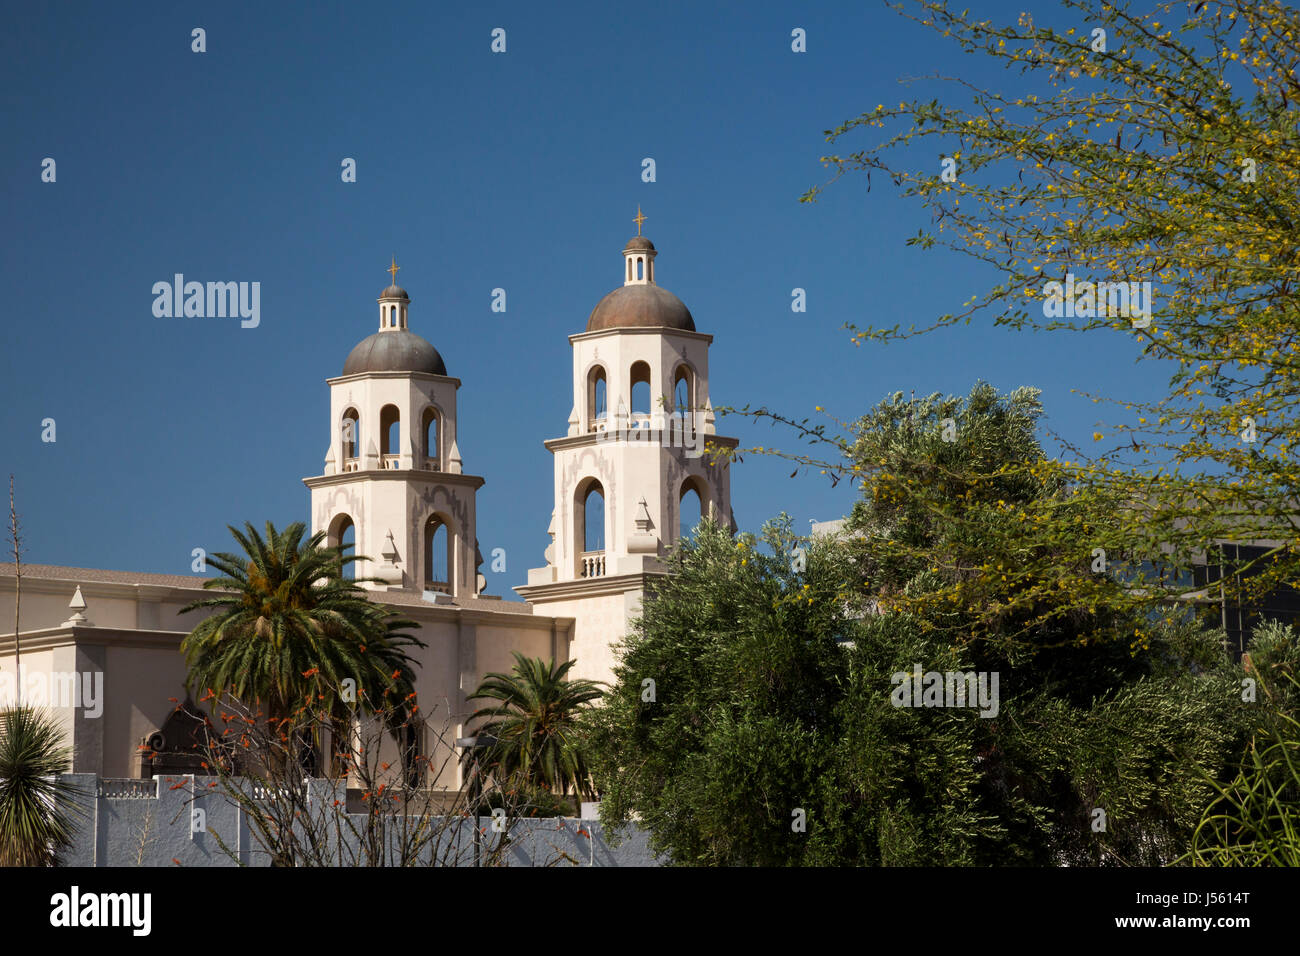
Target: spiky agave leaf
(38, 812)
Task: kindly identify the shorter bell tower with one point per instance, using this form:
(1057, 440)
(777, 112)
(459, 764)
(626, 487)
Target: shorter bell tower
(394, 484)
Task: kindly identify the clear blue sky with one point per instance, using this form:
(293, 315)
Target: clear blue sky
(520, 171)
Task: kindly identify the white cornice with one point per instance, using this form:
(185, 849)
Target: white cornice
(424, 376)
(633, 330)
(395, 474)
(594, 438)
(79, 635)
(588, 587)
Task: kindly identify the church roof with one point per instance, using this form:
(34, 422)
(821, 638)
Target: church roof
(58, 572)
(394, 292)
(394, 350)
(641, 306)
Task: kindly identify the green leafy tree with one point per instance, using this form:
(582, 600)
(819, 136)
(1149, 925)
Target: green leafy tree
(38, 812)
(717, 733)
(534, 721)
(290, 629)
(774, 670)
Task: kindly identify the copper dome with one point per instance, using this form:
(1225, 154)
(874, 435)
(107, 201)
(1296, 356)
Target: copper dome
(394, 350)
(640, 306)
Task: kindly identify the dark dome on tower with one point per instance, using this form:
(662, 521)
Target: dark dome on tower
(394, 350)
(645, 306)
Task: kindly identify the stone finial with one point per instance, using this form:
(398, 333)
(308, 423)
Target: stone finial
(390, 552)
(454, 462)
(78, 604)
(643, 540)
(643, 522)
(550, 548)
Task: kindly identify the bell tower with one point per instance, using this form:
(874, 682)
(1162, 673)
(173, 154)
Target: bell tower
(635, 470)
(393, 483)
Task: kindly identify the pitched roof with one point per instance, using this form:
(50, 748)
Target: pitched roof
(58, 572)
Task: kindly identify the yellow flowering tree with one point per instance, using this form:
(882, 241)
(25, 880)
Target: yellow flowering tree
(1150, 193)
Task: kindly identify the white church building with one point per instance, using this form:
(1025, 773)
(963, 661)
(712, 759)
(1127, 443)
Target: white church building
(633, 466)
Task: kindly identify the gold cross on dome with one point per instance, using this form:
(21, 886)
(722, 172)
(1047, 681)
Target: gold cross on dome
(640, 218)
(392, 270)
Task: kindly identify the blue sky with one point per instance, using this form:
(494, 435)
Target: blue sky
(519, 170)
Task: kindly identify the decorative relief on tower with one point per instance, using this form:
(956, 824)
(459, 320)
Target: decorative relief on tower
(440, 500)
(336, 501)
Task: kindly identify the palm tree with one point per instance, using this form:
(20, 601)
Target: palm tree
(290, 629)
(37, 811)
(535, 725)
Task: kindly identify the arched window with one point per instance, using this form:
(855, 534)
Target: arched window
(593, 518)
(389, 435)
(597, 396)
(437, 556)
(690, 511)
(350, 435)
(343, 535)
(682, 400)
(640, 268)
(640, 388)
(432, 453)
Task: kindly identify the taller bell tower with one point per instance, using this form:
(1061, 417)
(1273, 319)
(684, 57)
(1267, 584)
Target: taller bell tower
(635, 469)
(393, 483)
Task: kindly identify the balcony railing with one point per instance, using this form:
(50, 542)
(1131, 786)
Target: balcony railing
(350, 464)
(119, 788)
(592, 564)
(442, 586)
(390, 462)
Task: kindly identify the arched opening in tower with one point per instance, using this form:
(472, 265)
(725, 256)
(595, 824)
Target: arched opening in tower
(437, 555)
(390, 421)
